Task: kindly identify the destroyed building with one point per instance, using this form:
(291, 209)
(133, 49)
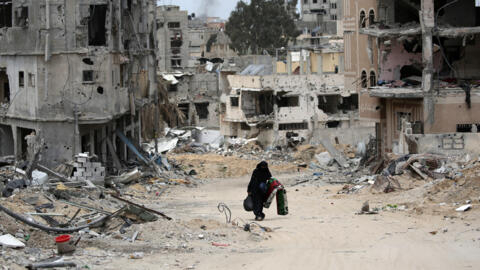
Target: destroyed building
(302, 101)
(197, 80)
(197, 97)
(172, 38)
(414, 63)
(71, 72)
(208, 41)
(322, 16)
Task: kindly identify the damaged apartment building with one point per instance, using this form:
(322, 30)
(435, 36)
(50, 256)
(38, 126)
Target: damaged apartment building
(301, 100)
(323, 16)
(190, 53)
(73, 72)
(415, 64)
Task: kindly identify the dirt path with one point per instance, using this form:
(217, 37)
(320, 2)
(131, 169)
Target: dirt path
(322, 232)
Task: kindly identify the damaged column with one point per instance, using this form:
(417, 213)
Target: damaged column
(427, 21)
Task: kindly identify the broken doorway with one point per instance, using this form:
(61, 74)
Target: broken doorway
(4, 87)
(97, 30)
(22, 141)
(6, 141)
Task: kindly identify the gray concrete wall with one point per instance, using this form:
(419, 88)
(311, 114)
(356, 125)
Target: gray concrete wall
(434, 143)
(352, 136)
(52, 89)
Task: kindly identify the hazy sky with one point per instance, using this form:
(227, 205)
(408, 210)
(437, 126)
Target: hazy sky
(214, 8)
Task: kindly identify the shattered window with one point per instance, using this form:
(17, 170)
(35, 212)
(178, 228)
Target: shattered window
(172, 87)
(4, 86)
(176, 63)
(333, 124)
(373, 79)
(21, 79)
(364, 79)
(202, 110)
(31, 80)
(464, 128)
(87, 76)
(363, 23)
(371, 17)
(174, 25)
(234, 101)
(293, 126)
(288, 101)
(97, 30)
(5, 13)
(185, 109)
(244, 126)
(21, 16)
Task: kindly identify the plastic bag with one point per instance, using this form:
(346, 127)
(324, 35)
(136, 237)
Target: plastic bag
(248, 203)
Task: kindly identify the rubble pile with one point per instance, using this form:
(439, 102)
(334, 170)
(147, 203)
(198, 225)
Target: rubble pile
(423, 179)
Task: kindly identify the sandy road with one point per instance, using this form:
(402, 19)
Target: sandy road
(322, 232)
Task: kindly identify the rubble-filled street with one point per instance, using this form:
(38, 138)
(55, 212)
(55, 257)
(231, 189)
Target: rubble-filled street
(340, 217)
(233, 134)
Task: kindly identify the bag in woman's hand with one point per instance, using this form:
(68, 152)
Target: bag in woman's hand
(248, 203)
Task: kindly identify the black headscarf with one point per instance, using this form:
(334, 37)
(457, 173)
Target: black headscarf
(259, 175)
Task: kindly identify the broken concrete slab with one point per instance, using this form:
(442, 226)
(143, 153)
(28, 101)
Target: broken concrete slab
(323, 158)
(334, 152)
(128, 177)
(10, 241)
(464, 208)
(39, 178)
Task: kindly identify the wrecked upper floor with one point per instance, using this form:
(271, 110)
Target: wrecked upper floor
(52, 27)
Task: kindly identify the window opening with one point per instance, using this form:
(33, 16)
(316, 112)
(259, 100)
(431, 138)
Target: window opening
(96, 25)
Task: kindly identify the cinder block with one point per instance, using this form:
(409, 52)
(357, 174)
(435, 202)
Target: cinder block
(81, 160)
(88, 174)
(85, 155)
(81, 169)
(96, 164)
(78, 174)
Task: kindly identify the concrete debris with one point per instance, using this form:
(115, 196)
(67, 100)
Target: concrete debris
(334, 152)
(464, 208)
(10, 241)
(323, 158)
(137, 255)
(128, 177)
(39, 178)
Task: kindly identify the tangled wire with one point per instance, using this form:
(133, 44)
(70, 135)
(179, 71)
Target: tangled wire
(223, 208)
